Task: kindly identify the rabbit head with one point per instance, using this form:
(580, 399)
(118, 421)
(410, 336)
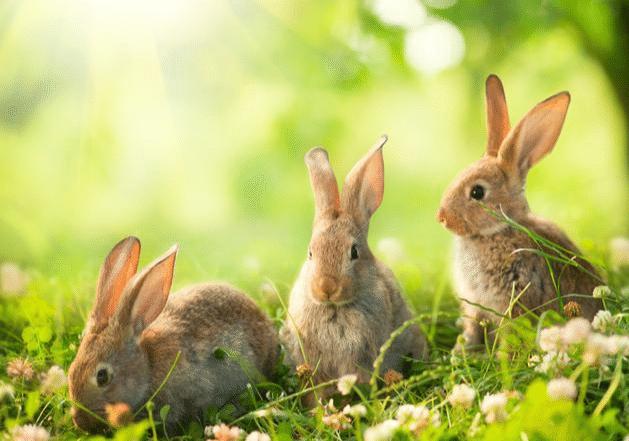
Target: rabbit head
(111, 366)
(496, 182)
(338, 249)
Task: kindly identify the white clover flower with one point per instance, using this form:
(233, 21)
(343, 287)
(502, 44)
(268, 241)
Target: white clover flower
(382, 432)
(462, 395)
(6, 391)
(421, 420)
(417, 418)
(494, 407)
(257, 436)
(618, 344)
(346, 383)
(562, 389)
(356, 411)
(601, 291)
(576, 331)
(29, 432)
(534, 360)
(596, 347)
(619, 251)
(329, 407)
(405, 413)
(13, 280)
(603, 321)
(550, 339)
(553, 360)
(223, 432)
(53, 380)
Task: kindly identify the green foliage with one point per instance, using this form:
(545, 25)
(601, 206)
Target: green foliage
(189, 125)
(541, 418)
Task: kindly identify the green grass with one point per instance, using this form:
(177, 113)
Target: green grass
(44, 326)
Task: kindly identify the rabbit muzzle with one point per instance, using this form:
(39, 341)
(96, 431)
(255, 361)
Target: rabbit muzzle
(85, 421)
(327, 289)
(452, 222)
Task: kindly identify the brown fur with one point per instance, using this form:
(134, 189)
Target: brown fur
(487, 267)
(344, 309)
(140, 347)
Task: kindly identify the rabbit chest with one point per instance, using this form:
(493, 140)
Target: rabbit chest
(341, 340)
(489, 270)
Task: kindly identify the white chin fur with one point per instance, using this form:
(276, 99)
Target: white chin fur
(493, 229)
(317, 302)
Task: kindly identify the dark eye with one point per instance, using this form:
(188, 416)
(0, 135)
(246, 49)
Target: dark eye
(354, 252)
(309, 254)
(478, 192)
(102, 377)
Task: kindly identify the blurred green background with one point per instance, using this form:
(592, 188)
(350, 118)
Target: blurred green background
(187, 121)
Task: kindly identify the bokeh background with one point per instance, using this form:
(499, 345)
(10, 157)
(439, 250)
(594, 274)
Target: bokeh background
(187, 122)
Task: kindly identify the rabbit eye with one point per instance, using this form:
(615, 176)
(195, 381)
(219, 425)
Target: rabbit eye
(478, 192)
(354, 252)
(309, 254)
(103, 377)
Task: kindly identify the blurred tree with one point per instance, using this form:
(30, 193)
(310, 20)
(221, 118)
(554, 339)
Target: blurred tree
(601, 27)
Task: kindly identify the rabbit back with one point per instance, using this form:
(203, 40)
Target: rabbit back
(225, 342)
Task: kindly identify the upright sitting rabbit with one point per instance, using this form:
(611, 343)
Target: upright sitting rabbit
(345, 303)
(493, 262)
(136, 330)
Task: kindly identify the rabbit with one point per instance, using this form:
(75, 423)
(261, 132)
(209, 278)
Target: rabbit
(136, 329)
(492, 262)
(345, 303)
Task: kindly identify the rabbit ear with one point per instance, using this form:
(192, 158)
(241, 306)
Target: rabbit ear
(148, 293)
(119, 267)
(364, 185)
(497, 114)
(535, 135)
(323, 182)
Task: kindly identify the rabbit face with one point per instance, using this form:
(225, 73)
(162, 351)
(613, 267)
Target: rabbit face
(338, 248)
(496, 182)
(333, 255)
(109, 368)
(471, 204)
(111, 365)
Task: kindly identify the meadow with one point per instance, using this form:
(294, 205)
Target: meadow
(188, 124)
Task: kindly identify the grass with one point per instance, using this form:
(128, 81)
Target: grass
(44, 326)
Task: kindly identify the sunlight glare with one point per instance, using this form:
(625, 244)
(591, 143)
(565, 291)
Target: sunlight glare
(434, 47)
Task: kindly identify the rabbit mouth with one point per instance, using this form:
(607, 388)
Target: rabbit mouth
(335, 303)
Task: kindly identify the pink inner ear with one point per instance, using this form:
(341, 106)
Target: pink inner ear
(498, 125)
(120, 266)
(323, 182)
(153, 289)
(373, 183)
(364, 185)
(536, 134)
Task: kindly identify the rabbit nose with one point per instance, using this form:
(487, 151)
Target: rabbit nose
(328, 286)
(85, 421)
(441, 216)
(80, 419)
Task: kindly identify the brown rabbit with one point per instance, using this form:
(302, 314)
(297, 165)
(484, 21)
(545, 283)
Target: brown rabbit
(491, 259)
(345, 303)
(136, 330)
